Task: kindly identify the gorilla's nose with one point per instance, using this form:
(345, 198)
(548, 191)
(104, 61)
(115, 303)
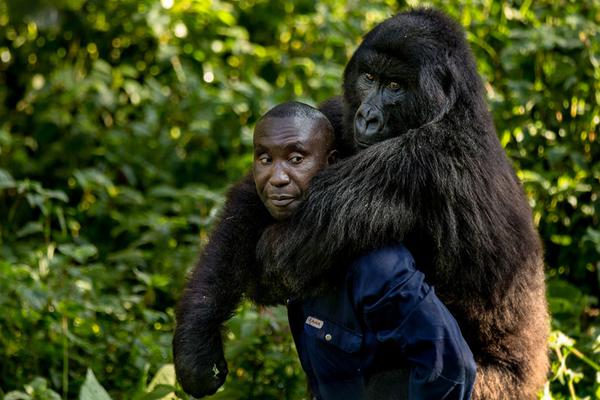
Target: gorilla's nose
(368, 122)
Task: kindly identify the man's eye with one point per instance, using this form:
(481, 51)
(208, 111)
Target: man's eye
(394, 86)
(369, 77)
(264, 160)
(296, 160)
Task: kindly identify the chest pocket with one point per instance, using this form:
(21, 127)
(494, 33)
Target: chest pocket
(334, 350)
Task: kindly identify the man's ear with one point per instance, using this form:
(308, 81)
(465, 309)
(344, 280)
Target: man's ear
(332, 157)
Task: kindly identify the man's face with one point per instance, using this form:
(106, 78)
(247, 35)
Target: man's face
(288, 152)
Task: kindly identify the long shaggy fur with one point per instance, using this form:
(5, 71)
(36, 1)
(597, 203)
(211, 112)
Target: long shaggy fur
(225, 271)
(442, 185)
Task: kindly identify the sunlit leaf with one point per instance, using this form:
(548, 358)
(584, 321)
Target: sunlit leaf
(91, 389)
(80, 253)
(6, 180)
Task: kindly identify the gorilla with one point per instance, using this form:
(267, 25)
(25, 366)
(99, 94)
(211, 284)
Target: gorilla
(424, 167)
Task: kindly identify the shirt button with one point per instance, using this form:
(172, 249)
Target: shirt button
(328, 337)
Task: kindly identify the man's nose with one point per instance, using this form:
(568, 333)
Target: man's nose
(279, 176)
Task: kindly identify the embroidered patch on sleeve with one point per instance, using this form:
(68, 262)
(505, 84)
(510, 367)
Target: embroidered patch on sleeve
(315, 322)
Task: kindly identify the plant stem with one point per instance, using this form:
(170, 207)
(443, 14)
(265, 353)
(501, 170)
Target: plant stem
(65, 373)
(583, 358)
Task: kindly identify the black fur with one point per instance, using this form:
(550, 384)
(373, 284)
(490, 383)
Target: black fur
(226, 269)
(441, 184)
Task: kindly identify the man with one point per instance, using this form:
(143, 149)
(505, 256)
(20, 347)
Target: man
(378, 318)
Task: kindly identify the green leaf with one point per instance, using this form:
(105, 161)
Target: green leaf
(57, 194)
(593, 236)
(16, 395)
(30, 228)
(6, 180)
(36, 389)
(81, 253)
(164, 376)
(562, 240)
(91, 389)
(226, 18)
(161, 392)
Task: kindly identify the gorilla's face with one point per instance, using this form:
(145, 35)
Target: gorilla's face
(385, 102)
(398, 79)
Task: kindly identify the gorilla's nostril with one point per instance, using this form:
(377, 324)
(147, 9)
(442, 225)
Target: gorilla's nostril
(372, 126)
(368, 121)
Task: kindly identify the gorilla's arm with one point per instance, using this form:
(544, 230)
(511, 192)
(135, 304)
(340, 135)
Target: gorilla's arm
(457, 194)
(215, 288)
(427, 182)
(227, 270)
(358, 204)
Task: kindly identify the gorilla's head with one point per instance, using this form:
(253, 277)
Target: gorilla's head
(409, 71)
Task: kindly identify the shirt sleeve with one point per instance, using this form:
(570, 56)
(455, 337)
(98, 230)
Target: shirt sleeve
(412, 325)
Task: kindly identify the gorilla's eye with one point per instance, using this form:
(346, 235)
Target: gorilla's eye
(394, 86)
(369, 77)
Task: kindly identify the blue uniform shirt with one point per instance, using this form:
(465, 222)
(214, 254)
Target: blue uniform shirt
(382, 317)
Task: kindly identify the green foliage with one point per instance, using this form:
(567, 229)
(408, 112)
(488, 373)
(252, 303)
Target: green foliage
(268, 366)
(563, 346)
(91, 388)
(121, 123)
(35, 390)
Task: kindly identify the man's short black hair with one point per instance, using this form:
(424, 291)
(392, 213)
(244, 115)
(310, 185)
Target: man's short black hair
(295, 109)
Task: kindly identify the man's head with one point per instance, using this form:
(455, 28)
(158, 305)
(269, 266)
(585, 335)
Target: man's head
(292, 142)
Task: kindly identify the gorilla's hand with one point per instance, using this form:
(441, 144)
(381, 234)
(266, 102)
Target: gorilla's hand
(353, 206)
(202, 372)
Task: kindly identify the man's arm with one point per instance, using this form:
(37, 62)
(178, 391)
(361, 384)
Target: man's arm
(225, 271)
(413, 325)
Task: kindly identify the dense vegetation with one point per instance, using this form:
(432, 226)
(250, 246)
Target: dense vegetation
(122, 122)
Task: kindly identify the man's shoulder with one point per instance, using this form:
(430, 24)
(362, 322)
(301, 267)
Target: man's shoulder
(384, 264)
(385, 257)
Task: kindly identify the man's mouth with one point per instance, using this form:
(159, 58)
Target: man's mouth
(281, 200)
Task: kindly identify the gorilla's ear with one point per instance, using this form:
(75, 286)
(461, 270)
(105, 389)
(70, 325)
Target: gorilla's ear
(332, 157)
(450, 77)
(437, 80)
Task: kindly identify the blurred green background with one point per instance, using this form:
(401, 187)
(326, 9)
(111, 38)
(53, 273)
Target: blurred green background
(122, 123)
